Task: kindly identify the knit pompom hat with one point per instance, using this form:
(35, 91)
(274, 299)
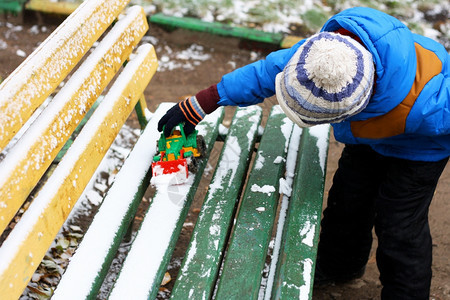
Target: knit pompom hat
(329, 78)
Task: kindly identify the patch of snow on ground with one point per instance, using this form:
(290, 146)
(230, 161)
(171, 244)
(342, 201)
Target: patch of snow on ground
(186, 59)
(21, 53)
(3, 45)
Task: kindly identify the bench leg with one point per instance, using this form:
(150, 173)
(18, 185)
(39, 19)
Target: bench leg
(140, 108)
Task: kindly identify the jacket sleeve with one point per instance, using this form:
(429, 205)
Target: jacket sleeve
(253, 83)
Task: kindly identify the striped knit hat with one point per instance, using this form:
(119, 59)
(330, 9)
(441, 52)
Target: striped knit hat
(329, 78)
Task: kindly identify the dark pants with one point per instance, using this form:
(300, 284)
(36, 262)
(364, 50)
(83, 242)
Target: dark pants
(394, 196)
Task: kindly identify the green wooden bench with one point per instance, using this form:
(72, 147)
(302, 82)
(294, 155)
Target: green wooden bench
(267, 188)
(230, 242)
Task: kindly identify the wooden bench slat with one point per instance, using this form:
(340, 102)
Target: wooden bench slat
(27, 244)
(48, 6)
(95, 253)
(150, 253)
(247, 251)
(302, 225)
(77, 130)
(290, 40)
(291, 160)
(35, 79)
(30, 157)
(201, 264)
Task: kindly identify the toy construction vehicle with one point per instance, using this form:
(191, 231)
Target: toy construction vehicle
(178, 154)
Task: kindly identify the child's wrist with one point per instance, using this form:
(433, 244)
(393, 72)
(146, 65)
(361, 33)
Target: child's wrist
(208, 99)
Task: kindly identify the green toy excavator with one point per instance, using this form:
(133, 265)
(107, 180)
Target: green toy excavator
(178, 153)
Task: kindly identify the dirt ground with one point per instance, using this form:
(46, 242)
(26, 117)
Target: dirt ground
(226, 54)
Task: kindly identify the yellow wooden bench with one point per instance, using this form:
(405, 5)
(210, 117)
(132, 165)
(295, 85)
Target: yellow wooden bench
(28, 157)
(53, 7)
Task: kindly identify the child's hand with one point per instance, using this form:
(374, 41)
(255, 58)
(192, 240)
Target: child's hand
(182, 112)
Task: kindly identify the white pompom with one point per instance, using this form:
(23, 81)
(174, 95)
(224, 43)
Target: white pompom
(331, 65)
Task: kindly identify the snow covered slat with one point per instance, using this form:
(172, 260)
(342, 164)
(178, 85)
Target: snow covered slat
(28, 242)
(291, 159)
(150, 253)
(201, 264)
(247, 250)
(294, 277)
(27, 161)
(37, 77)
(100, 243)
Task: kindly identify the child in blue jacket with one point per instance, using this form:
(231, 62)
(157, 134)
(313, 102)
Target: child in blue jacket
(386, 92)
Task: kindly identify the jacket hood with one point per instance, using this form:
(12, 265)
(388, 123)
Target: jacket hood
(392, 46)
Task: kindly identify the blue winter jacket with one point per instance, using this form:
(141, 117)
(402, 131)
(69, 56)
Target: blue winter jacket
(408, 116)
